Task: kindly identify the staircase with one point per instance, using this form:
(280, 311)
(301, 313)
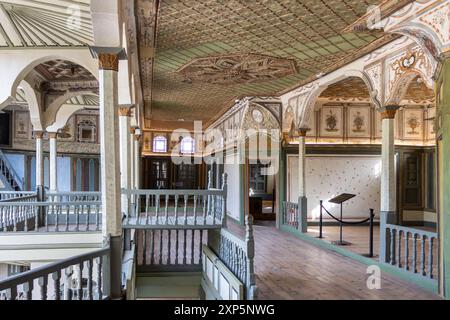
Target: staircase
(168, 285)
(8, 175)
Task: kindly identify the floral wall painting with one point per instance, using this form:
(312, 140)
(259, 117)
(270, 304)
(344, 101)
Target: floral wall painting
(147, 142)
(359, 122)
(413, 124)
(22, 125)
(331, 122)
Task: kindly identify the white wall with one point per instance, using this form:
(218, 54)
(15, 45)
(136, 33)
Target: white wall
(329, 176)
(3, 271)
(231, 168)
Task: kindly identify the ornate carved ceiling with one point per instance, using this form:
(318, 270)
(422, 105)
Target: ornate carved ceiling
(188, 33)
(45, 23)
(59, 76)
(234, 69)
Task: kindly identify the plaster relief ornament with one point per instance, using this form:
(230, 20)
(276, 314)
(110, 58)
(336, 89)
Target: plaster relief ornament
(237, 68)
(331, 122)
(257, 116)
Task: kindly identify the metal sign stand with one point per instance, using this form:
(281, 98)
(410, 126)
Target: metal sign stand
(340, 200)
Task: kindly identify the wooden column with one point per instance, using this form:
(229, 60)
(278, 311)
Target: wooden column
(137, 159)
(388, 211)
(132, 156)
(443, 170)
(125, 150)
(302, 200)
(39, 165)
(110, 170)
(53, 162)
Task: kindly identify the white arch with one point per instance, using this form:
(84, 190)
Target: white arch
(306, 105)
(16, 64)
(33, 98)
(54, 106)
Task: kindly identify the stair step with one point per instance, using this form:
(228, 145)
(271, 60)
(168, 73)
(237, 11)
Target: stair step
(168, 286)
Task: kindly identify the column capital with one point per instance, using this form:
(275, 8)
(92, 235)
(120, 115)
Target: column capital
(302, 132)
(108, 61)
(52, 135)
(124, 111)
(108, 58)
(388, 112)
(38, 134)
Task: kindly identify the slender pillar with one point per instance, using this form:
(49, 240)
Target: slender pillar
(443, 170)
(132, 156)
(137, 159)
(39, 165)
(110, 170)
(53, 162)
(125, 176)
(388, 212)
(302, 200)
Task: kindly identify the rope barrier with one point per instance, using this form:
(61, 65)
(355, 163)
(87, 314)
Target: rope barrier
(342, 222)
(346, 222)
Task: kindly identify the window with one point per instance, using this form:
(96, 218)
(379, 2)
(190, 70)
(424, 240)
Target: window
(431, 181)
(160, 144)
(187, 145)
(87, 131)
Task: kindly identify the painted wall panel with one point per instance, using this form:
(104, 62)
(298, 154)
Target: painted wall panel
(329, 176)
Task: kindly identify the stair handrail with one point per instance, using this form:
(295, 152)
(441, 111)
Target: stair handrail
(15, 176)
(56, 269)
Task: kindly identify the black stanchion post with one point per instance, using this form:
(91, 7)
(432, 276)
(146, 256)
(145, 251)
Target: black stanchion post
(320, 220)
(372, 215)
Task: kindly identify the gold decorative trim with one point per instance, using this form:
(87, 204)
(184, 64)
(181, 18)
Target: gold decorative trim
(124, 112)
(38, 134)
(52, 135)
(302, 132)
(388, 114)
(108, 61)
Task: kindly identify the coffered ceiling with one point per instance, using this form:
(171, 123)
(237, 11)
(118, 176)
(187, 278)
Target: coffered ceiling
(221, 44)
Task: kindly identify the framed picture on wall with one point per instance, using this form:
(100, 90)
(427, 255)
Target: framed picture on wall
(5, 128)
(358, 122)
(331, 122)
(87, 128)
(147, 142)
(413, 124)
(22, 125)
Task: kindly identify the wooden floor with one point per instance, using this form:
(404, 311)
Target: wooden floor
(289, 268)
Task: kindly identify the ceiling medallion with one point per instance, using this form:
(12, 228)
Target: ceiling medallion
(237, 68)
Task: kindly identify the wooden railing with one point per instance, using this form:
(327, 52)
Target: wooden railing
(410, 249)
(237, 254)
(22, 216)
(76, 278)
(170, 249)
(291, 217)
(173, 208)
(74, 196)
(218, 282)
(8, 196)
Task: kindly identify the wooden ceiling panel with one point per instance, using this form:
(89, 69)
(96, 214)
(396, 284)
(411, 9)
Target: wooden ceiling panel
(307, 32)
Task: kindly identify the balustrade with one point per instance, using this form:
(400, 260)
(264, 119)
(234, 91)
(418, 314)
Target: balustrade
(79, 278)
(411, 249)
